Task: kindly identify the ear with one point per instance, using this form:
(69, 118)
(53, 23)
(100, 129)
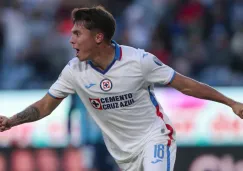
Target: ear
(99, 37)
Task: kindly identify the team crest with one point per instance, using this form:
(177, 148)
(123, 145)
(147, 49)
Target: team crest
(157, 61)
(106, 85)
(96, 103)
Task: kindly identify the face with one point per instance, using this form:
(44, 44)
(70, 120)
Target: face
(84, 41)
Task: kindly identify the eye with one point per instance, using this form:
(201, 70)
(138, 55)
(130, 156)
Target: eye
(76, 33)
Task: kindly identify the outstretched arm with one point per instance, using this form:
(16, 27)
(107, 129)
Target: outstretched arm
(193, 88)
(34, 112)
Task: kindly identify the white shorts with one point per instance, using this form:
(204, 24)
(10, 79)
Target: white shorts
(154, 157)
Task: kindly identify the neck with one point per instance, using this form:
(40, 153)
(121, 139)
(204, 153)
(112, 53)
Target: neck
(104, 56)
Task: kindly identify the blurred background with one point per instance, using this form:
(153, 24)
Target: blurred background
(202, 39)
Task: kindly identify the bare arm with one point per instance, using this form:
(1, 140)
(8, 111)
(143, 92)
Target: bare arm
(36, 111)
(193, 88)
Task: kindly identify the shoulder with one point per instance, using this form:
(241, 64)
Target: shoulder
(131, 53)
(76, 65)
(139, 56)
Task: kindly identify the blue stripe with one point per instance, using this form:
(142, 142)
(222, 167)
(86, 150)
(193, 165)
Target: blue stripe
(53, 96)
(172, 78)
(168, 158)
(116, 57)
(152, 98)
(117, 50)
(102, 71)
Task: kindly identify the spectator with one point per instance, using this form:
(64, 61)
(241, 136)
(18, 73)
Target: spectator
(47, 160)
(72, 160)
(22, 160)
(3, 163)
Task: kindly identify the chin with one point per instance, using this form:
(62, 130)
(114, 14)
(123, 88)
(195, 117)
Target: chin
(81, 58)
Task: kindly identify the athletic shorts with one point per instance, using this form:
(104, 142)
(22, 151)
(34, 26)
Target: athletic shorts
(155, 157)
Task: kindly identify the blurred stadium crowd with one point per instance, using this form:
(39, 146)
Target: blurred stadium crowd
(202, 39)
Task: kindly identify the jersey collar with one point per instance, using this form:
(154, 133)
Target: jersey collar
(118, 55)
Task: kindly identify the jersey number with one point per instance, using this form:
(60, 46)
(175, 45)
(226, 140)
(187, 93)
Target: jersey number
(159, 151)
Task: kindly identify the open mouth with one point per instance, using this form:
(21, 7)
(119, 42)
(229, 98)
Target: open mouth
(77, 51)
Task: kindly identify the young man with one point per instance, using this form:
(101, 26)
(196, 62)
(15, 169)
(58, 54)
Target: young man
(115, 83)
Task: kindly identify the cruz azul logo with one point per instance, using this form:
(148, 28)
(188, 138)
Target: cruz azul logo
(106, 85)
(112, 102)
(95, 103)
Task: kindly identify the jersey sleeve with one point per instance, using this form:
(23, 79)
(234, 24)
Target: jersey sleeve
(154, 71)
(64, 84)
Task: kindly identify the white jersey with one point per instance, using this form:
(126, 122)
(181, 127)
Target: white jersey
(120, 99)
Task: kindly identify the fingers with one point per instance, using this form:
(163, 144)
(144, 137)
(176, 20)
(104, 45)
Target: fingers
(240, 114)
(4, 122)
(4, 128)
(1, 119)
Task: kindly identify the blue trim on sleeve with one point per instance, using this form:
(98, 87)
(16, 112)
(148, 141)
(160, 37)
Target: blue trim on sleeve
(54, 96)
(172, 78)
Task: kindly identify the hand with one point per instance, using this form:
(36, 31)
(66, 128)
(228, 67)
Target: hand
(4, 124)
(238, 109)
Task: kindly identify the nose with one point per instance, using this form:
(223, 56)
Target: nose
(71, 40)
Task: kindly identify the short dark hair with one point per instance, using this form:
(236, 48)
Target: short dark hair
(96, 18)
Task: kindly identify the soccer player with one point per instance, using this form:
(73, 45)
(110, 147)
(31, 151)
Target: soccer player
(115, 83)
